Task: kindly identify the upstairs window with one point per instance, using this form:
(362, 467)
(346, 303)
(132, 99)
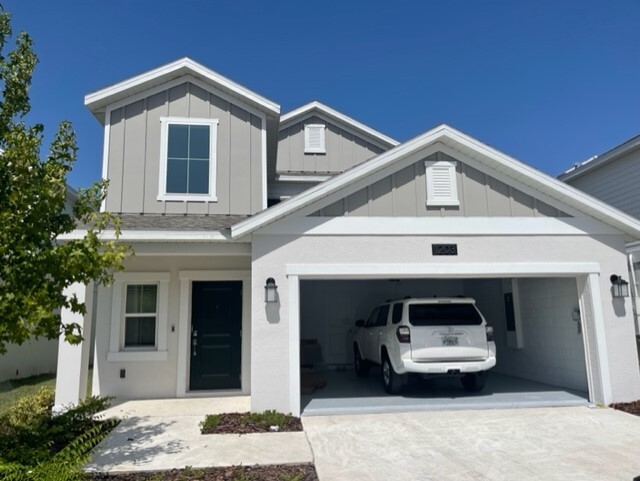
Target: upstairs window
(314, 139)
(442, 187)
(187, 159)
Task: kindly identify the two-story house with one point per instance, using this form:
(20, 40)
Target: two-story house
(613, 178)
(254, 231)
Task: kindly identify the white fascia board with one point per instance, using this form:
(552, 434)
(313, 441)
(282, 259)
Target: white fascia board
(579, 169)
(459, 141)
(151, 236)
(99, 99)
(437, 270)
(294, 116)
(450, 226)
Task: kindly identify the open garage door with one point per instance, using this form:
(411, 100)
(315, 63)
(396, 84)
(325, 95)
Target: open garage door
(538, 333)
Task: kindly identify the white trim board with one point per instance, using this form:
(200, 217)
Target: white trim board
(462, 226)
(179, 68)
(328, 114)
(437, 270)
(418, 148)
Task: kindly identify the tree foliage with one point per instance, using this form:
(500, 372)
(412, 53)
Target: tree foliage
(36, 208)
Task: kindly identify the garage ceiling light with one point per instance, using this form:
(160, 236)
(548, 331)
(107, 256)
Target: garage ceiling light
(620, 287)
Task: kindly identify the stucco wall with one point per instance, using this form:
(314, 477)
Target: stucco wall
(272, 254)
(150, 379)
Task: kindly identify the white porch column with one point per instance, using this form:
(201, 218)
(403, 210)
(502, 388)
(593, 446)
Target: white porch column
(73, 361)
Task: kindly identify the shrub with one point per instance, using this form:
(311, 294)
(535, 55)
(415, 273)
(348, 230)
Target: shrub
(30, 434)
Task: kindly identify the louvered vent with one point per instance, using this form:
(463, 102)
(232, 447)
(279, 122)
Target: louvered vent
(442, 189)
(314, 139)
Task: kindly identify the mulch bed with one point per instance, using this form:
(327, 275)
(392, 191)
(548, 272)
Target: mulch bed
(235, 423)
(631, 408)
(278, 472)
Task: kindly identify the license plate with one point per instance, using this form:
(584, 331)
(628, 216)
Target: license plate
(449, 340)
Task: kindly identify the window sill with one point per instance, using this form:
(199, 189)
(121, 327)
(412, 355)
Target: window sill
(137, 356)
(187, 198)
(443, 203)
(314, 151)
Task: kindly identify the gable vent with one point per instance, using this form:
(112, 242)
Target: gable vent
(442, 188)
(314, 139)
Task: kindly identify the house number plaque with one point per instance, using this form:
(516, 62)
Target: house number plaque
(444, 249)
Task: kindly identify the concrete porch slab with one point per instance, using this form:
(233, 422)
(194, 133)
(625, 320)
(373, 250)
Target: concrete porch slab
(165, 434)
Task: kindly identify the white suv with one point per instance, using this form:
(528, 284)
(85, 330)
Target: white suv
(433, 336)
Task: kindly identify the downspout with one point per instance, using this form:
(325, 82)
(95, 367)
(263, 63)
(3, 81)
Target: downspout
(634, 293)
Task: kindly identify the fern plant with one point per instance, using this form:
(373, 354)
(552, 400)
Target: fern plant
(67, 464)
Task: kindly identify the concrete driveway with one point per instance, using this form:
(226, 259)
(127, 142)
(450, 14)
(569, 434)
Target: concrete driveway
(576, 443)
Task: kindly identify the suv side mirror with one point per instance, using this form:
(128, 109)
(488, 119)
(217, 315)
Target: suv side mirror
(360, 323)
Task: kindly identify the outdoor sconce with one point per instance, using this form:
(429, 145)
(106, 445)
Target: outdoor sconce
(620, 286)
(271, 290)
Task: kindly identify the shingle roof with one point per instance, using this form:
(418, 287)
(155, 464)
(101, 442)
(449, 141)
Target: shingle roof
(177, 222)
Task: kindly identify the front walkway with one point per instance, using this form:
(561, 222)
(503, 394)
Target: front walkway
(164, 434)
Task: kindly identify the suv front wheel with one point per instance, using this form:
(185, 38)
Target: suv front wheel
(391, 380)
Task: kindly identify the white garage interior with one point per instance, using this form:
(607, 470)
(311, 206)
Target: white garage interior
(538, 335)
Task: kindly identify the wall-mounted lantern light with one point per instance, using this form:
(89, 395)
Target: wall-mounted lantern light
(271, 290)
(620, 286)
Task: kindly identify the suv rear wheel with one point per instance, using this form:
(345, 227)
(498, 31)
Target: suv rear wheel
(474, 382)
(361, 366)
(391, 380)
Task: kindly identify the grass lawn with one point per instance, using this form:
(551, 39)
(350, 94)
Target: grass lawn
(14, 389)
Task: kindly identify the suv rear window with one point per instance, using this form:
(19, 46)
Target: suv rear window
(444, 315)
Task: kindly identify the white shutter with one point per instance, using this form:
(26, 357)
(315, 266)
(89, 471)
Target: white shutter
(314, 139)
(442, 188)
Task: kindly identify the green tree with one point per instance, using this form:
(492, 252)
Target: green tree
(35, 267)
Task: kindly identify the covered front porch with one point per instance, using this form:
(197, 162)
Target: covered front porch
(175, 323)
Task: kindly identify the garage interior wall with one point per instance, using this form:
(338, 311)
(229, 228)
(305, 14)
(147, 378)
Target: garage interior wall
(553, 349)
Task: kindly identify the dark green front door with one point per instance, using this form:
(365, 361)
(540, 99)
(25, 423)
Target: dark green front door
(216, 322)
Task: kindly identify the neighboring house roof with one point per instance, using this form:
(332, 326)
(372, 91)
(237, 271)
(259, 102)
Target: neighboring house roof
(321, 110)
(98, 101)
(449, 138)
(579, 169)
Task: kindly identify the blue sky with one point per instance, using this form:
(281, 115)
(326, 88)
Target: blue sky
(549, 82)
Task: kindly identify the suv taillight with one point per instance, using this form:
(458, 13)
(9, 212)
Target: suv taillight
(404, 334)
(489, 333)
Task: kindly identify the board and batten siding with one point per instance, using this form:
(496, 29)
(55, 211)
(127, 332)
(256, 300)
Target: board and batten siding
(616, 182)
(404, 194)
(134, 154)
(343, 149)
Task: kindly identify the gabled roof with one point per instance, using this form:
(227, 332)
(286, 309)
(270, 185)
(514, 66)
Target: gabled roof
(579, 169)
(451, 138)
(98, 101)
(322, 110)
